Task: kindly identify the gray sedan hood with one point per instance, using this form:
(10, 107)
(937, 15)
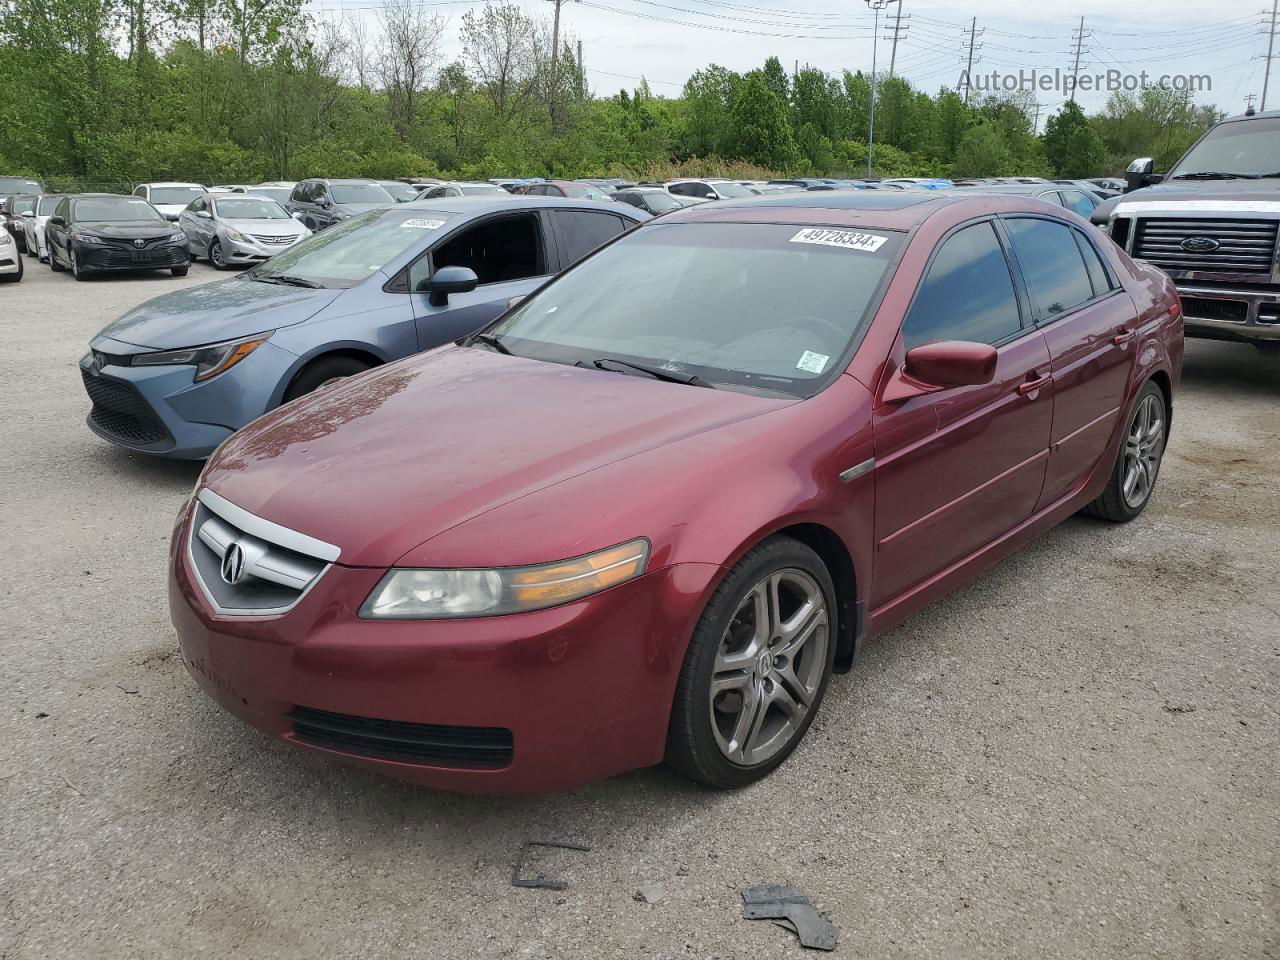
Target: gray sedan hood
(283, 227)
(214, 312)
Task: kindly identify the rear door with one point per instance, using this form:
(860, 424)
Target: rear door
(959, 467)
(1089, 323)
(511, 256)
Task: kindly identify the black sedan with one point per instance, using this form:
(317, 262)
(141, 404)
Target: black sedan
(102, 232)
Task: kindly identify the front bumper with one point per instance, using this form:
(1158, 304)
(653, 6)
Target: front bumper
(579, 692)
(163, 411)
(1237, 313)
(245, 252)
(102, 258)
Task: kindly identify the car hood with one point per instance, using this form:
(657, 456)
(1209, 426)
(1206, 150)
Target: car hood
(382, 463)
(127, 229)
(288, 227)
(232, 308)
(1211, 196)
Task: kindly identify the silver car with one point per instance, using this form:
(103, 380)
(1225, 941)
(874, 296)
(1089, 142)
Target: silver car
(235, 229)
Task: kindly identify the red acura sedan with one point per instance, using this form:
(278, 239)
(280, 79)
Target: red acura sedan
(647, 513)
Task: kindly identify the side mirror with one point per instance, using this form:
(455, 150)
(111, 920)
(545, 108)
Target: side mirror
(936, 366)
(449, 280)
(56, 221)
(324, 202)
(204, 215)
(28, 213)
(1139, 174)
(297, 216)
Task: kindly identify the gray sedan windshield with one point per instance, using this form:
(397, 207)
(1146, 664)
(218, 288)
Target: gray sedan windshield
(249, 208)
(758, 306)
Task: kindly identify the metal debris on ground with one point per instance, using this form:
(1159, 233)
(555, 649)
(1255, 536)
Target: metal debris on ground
(791, 910)
(540, 882)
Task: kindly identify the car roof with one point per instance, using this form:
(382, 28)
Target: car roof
(1018, 189)
(495, 203)
(362, 181)
(1262, 115)
(863, 208)
(171, 183)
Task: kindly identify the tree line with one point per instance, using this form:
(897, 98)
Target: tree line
(103, 93)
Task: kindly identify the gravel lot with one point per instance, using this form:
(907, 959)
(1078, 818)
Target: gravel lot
(1078, 756)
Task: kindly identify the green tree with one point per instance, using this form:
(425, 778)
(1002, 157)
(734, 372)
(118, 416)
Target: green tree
(983, 152)
(760, 130)
(1072, 146)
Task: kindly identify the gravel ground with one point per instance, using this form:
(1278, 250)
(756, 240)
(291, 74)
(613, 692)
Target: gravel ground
(1075, 757)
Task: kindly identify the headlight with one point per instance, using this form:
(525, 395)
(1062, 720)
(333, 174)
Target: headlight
(5, 239)
(236, 236)
(178, 237)
(209, 361)
(85, 237)
(444, 594)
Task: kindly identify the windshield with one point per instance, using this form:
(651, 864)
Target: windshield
(278, 194)
(481, 189)
(720, 313)
(584, 191)
(359, 193)
(45, 205)
(10, 185)
(249, 208)
(400, 192)
(355, 249)
(1249, 147)
(727, 188)
(24, 204)
(661, 201)
(182, 195)
(114, 208)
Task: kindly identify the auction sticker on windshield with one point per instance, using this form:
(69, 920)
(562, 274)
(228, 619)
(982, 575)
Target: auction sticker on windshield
(422, 224)
(848, 239)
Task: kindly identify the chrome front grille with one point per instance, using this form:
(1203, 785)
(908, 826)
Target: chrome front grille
(274, 241)
(1211, 246)
(248, 566)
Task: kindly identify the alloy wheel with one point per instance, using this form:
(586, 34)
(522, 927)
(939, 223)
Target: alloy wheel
(1143, 448)
(215, 255)
(769, 666)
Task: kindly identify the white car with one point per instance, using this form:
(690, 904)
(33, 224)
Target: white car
(33, 226)
(10, 259)
(169, 198)
(711, 189)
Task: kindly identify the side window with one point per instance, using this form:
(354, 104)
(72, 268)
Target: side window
(630, 198)
(702, 190)
(1079, 202)
(498, 250)
(63, 210)
(967, 293)
(196, 205)
(584, 231)
(433, 193)
(320, 192)
(1051, 263)
(140, 191)
(1098, 274)
(679, 189)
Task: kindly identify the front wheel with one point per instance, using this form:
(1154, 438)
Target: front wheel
(76, 270)
(757, 667)
(216, 257)
(179, 271)
(321, 372)
(1133, 478)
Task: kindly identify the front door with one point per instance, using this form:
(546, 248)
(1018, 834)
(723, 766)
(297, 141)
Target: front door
(957, 468)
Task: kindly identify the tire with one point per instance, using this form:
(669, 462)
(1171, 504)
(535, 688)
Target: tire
(321, 371)
(75, 265)
(719, 740)
(179, 271)
(1140, 456)
(215, 259)
(54, 265)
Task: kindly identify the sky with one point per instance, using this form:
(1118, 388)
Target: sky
(666, 40)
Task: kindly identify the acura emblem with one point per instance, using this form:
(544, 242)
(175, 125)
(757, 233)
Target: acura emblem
(1200, 244)
(139, 242)
(233, 564)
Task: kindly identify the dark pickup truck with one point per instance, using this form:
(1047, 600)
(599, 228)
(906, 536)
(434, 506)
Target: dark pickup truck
(1212, 224)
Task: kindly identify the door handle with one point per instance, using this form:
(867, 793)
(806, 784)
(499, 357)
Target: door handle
(1031, 386)
(1123, 337)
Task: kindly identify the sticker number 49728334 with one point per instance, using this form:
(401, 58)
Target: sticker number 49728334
(848, 239)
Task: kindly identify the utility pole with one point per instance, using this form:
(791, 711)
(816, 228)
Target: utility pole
(1271, 55)
(1078, 36)
(899, 28)
(1035, 124)
(582, 75)
(973, 33)
(555, 63)
(877, 6)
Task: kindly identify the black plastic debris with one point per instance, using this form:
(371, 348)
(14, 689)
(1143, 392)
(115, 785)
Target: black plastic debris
(540, 882)
(791, 910)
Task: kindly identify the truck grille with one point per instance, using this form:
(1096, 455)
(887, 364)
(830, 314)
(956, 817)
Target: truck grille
(272, 567)
(425, 743)
(121, 412)
(1243, 246)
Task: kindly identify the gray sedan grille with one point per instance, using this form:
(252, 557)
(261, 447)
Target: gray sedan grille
(248, 566)
(274, 241)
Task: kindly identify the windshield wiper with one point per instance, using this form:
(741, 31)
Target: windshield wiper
(692, 380)
(1216, 175)
(290, 281)
(490, 340)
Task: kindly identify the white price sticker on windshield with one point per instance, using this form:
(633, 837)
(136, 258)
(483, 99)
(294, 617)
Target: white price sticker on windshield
(423, 224)
(811, 362)
(848, 239)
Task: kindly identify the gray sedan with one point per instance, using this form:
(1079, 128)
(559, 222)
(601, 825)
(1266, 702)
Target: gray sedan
(233, 229)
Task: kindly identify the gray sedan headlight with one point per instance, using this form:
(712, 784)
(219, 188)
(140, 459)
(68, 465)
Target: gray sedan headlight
(209, 361)
(445, 594)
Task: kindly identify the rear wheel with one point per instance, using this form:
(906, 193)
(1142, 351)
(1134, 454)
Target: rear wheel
(757, 667)
(323, 371)
(1133, 479)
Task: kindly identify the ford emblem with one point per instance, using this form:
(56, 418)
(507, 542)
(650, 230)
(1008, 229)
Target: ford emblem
(1200, 244)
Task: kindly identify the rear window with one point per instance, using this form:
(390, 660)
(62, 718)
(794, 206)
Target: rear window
(182, 195)
(10, 185)
(1052, 264)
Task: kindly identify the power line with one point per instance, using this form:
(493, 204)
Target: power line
(1271, 45)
